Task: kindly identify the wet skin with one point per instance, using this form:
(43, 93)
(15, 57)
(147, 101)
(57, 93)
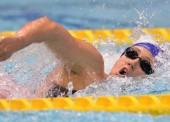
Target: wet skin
(82, 63)
(132, 66)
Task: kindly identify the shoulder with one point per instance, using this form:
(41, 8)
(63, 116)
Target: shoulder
(89, 57)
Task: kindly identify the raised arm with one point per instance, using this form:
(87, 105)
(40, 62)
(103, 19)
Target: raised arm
(77, 54)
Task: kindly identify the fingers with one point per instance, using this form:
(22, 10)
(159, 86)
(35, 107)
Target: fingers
(2, 42)
(2, 46)
(4, 51)
(5, 57)
(4, 54)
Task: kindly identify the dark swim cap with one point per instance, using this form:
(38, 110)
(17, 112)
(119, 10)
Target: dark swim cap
(151, 47)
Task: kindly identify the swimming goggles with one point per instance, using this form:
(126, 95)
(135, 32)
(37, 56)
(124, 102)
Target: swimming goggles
(145, 65)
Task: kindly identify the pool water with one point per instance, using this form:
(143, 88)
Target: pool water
(30, 69)
(72, 116)
(28, 66)
(157, 83)
(88, 14)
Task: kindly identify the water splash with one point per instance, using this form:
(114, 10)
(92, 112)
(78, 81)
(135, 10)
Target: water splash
(10, 89)
(70, 88)
(151, 84)
(24, 70)
(28, 67)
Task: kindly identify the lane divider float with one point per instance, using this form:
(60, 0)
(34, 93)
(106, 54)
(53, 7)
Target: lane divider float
(152, 104)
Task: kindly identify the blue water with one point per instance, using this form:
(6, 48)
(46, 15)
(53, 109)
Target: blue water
(86, 14)
(72, 116)
(28, 66)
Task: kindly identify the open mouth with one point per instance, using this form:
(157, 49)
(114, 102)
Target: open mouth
(122, 72)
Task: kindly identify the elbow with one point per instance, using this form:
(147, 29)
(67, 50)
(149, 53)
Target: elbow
(48, 26)
(45, 20)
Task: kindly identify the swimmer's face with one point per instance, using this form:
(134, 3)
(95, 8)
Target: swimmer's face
(131, 67)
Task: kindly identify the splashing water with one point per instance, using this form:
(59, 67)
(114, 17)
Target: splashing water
(26, 68)
(157, 83)
(21, 73)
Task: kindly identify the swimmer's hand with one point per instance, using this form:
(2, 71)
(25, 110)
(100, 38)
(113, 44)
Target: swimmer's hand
(8, 45)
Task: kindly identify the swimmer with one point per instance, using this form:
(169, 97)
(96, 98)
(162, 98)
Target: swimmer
(82, 62)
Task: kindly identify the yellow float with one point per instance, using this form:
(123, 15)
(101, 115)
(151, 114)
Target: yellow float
(153, 104)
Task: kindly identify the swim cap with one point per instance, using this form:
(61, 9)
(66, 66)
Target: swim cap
(151, 47)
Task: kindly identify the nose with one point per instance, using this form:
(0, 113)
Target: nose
(134, 63)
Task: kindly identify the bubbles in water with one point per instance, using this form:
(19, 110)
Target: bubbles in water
(140, 36)
(25, 69)
(142, 19)
(162, 60)
(156, 83)
(70, 88)
(29, 66)
(112, 86)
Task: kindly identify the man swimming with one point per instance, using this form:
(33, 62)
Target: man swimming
(82, 63)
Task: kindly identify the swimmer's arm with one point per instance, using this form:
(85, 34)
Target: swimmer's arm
(76, 53)
(35, 31)
(40, 30)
